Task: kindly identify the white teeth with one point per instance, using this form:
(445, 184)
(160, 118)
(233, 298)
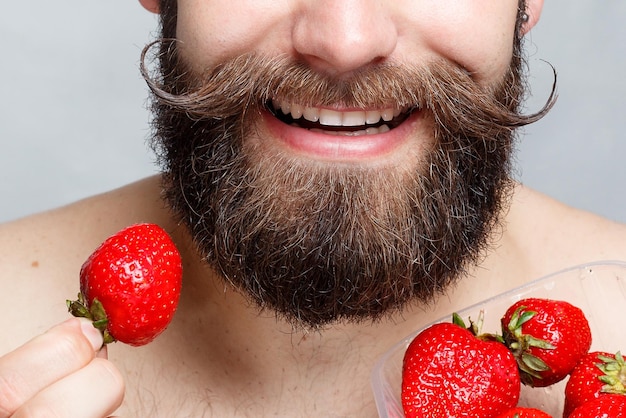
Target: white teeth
(296, 111)
(387, 115)
(369, 131)
(311, 114)
(372, 116)
(383, 129)
(329, 117)
(285, 107)
(355, 118)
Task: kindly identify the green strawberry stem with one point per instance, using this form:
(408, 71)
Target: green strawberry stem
(520, 343)
(476, 327)
(614, 377)
(95, 313)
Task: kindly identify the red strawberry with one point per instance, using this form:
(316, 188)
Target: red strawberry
(609, 406)
(547, 337)
(131, 284)
(596, 374)
(450, 372)
(521, 412)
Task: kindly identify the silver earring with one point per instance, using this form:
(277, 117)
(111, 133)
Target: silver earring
(525, 17)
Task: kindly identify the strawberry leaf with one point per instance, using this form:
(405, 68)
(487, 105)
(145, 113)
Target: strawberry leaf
(534, 363)
(457, 320)
(614, 373)
(536, 342)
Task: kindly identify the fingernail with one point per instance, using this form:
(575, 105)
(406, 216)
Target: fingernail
(93, 335)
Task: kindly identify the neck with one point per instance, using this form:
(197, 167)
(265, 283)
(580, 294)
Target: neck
(229, 340)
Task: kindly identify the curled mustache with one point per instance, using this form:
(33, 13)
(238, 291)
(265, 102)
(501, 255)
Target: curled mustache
(458, 104)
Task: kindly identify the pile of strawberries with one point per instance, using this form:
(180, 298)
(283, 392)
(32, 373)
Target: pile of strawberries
(453, 370)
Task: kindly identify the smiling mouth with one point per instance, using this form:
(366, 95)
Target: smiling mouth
(342, 123)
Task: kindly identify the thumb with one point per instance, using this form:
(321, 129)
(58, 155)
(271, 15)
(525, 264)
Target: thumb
(103, 353)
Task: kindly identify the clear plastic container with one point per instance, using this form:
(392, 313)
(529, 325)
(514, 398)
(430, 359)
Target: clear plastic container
(599, 289)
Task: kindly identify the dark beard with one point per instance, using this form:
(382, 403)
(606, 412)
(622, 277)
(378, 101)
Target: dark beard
(318, 243)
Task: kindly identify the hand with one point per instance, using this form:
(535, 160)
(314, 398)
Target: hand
(61, 373)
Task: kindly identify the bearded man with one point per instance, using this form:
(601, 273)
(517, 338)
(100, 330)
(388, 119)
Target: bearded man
(336, 174)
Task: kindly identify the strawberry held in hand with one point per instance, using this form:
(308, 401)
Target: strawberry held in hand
(547, 337)
(450, 372)
(130, 285)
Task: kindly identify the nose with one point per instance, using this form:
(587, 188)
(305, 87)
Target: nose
(340, 36)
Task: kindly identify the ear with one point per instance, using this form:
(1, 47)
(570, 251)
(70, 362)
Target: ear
(533, 10)
(150, 5)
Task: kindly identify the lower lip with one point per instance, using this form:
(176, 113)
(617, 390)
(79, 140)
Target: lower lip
(341, 148)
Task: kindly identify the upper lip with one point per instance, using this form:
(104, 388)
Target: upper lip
(332, 117)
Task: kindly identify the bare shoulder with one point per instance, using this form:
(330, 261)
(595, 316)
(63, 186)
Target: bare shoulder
(66, 234)
(41, 255)
(563, 236)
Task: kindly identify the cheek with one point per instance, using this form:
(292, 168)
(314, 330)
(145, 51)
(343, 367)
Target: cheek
(475, 34)
(214, 31)
(486, 57)
(205, 32)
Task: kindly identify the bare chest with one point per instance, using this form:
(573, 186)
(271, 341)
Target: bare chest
(187, 387)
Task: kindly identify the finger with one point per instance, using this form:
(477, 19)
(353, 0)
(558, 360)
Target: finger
(95, 391)
(44, 360)
(103, 353)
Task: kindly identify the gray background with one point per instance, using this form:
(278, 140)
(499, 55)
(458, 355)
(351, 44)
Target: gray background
(73, 118)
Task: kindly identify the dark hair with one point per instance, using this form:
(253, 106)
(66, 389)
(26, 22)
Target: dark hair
(168, 16)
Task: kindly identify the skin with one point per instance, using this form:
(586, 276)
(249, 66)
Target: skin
(235, 361)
